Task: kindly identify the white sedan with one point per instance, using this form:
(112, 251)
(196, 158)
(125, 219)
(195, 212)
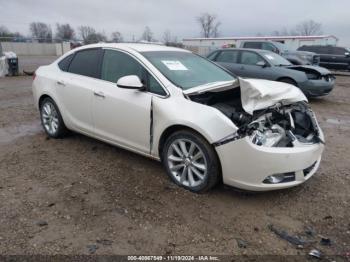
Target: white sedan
(204, 124)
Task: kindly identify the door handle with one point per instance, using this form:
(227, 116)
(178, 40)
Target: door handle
(60, 83)
(99, 94)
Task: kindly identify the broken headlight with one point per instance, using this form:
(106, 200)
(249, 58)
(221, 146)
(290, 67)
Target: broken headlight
(268, 136)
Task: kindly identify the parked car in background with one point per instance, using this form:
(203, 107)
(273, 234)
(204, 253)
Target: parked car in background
(332, 57)
(295, 57)
(252, 63)
(203, 123)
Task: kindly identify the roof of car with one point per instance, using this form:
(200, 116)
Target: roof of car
(245, 49)
(138, 47)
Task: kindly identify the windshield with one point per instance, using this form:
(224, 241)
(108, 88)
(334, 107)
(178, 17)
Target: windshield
(187, 70)
(276, 59)
(281, 46)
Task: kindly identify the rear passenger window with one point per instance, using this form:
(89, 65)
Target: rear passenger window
(339, 51)
(250, 58)
(86, 63)
(227, 57)
(253, 45)
(324, 50)
(64, 63)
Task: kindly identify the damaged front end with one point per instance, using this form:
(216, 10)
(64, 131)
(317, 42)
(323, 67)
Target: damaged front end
(281, 126)
(271, 114)
(276, 143)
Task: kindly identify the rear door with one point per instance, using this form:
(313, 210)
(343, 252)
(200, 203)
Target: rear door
(325, 56)
(75, 87)
(338, 59)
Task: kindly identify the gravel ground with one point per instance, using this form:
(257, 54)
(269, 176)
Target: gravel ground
(81, 196)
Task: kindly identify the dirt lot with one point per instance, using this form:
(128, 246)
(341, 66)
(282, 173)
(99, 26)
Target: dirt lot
(81, 196)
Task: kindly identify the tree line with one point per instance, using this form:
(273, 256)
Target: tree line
(209, 27)
(43, 33)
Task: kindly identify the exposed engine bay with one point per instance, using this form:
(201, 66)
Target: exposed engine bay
(280, 125)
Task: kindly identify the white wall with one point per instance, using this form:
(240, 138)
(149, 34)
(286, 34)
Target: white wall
(44, 49)
(204, 46)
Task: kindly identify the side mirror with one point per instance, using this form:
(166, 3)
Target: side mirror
(130, 82)
(261, 63)
(347, 54)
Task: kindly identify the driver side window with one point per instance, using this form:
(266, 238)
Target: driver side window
(250, 58)
(118, 64)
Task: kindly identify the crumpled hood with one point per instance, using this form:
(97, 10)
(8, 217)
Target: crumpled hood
(321, 70)
(257, 94)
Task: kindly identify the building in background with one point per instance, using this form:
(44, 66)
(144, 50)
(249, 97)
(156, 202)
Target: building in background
(203, 46)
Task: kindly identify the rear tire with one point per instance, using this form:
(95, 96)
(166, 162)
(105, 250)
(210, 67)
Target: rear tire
(190, 161)
(288, 81)
(51, 119)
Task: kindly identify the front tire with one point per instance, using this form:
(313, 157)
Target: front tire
(190, 161)
(51, 119)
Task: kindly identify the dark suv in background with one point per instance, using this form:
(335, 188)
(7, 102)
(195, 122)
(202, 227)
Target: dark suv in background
(295, 57)
(332, 57)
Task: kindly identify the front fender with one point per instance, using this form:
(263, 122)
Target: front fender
(206, 120)
(297, 76)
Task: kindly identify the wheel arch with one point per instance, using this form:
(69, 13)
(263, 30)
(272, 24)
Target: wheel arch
(288, 78)
(41, 99)
(174, 128)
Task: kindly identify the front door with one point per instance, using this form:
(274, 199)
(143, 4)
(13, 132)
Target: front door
(121, 115)
(249, 67)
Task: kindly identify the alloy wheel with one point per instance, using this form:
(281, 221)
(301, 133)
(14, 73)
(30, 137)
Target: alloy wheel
(187, 162)
(49, 117)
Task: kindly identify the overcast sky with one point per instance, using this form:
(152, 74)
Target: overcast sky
(238, 18)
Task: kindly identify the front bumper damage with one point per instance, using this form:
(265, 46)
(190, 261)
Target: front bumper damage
(246, 165)
(278, 147)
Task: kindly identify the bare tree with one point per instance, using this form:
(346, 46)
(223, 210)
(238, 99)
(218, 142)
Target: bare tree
(6, 35)
(147, 34)
(117, 37)
(64, 32)
(209, 25)
(41, 31)
(90, 36)
(85, 32)
(171, 40)
(167, 37)
(95, 38)
(309, 27)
